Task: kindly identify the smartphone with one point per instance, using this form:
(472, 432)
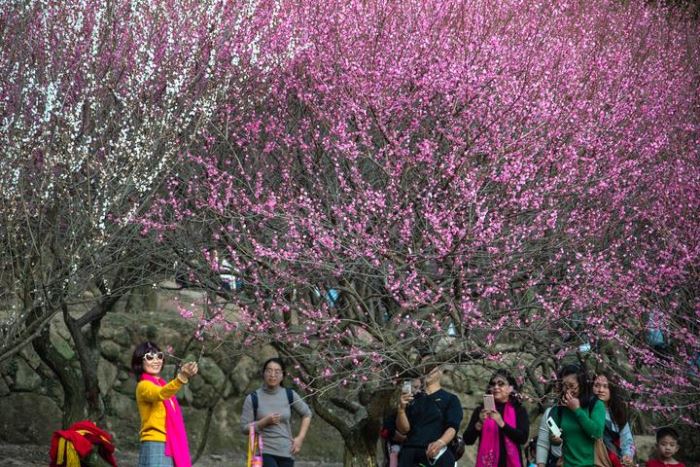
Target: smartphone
(489, 403)
(438, 455)
(407, 387)
(553, 427)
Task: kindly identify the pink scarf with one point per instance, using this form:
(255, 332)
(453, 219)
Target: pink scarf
(175, 436)
(489, 446)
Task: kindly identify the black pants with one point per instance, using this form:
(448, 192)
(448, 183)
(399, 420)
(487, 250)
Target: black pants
(413, 457)
(276, 461)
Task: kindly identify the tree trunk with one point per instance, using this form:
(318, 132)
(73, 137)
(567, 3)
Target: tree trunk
(74, 401)
(85, 333)
(360, 449)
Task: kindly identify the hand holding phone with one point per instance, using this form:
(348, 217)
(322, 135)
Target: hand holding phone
(407, 388)
(489, 402)
(556, 431)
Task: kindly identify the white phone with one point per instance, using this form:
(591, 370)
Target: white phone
(438, 455)
(489, 403)
(553, 427)
(407, 387)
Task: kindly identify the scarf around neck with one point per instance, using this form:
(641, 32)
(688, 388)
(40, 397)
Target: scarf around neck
(490, 447)
(175, 435)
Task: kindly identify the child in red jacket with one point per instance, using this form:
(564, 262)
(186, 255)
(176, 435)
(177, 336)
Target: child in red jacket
(666, 447)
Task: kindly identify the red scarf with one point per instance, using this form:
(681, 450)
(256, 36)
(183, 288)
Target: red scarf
(175, 435)
(490, 444)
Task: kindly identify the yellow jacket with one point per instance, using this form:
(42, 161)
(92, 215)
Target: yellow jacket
(149, 399)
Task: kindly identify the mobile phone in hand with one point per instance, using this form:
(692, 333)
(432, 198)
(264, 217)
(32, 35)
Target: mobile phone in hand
(489, 403)
(553, 427)
(407, 388)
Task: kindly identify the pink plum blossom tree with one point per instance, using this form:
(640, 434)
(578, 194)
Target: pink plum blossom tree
(502, 183)
(506, 183)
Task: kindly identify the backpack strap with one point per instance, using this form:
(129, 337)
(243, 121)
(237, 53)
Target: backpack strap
(254, 400)
(290, 396)
(555, 413)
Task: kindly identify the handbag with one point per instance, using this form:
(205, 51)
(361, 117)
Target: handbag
(254, 460)
(457, 446)
(600, 452)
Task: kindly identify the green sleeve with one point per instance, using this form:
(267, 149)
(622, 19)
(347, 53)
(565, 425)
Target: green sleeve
(594, 425)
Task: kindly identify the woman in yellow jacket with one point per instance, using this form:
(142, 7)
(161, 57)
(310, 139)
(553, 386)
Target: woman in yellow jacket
(163, 437)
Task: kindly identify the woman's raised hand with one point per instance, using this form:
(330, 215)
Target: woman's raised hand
(189, 369)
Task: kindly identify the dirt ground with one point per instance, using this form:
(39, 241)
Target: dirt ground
(14, 455)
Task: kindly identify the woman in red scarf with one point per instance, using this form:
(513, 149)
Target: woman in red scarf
(503, 431)
(163, 437)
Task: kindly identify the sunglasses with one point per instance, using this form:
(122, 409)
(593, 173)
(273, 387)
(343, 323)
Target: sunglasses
(150, 356)
(497, 383)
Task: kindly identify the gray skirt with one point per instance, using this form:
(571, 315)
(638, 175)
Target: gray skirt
(152, 454)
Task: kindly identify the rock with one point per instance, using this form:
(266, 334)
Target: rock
(186, 395)
(28, 418)
(266, 352)
(646, 445)
(111, 351)
(4, 388)
(124, 339)
(26, 378)
(240, 376)
(126, 386)
(204, 397)
(106, 375)
(170, 337)
(61, 344)
(211, 373)
(123, 407)
(31, 357)
(228, 390)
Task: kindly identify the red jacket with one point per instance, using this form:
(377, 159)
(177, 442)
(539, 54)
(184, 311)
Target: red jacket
(83, 436)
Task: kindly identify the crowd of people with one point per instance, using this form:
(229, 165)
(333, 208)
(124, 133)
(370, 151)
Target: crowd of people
(588, 425)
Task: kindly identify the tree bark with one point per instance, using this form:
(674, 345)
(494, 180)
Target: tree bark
(74, 401)
(87, 350)
(360, 432)
(361, 448)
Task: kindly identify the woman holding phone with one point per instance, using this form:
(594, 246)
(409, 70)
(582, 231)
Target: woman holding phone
(163, 437)
(501, 424)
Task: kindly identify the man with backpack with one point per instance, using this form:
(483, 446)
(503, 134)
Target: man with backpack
(430, 421)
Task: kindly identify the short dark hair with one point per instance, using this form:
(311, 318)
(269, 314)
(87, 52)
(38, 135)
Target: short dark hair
(278, 361)
(137, 358)
(666, 431)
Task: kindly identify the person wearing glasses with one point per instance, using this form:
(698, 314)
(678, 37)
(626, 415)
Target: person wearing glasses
(269, 410)
(501, 432)
(580, 416)
(163, 436)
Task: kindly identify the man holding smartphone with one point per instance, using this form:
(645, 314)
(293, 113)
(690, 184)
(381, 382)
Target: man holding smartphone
(429, 423)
